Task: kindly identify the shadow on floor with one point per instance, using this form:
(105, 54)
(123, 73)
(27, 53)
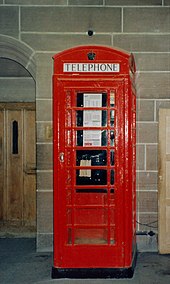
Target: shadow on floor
(21, 264)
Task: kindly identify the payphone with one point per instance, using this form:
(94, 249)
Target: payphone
(94, 128)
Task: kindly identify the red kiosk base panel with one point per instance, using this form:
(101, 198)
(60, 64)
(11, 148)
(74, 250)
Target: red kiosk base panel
(94, 157)
(95, 273)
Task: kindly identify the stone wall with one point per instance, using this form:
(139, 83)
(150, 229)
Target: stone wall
(141, 27)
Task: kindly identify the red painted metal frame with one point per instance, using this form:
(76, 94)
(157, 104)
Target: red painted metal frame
(123, 201)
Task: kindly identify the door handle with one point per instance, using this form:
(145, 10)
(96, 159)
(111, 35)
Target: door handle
(62, 157)
(30, 169)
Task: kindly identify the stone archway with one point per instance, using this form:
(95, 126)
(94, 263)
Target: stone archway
(19, 52)
(17, 168)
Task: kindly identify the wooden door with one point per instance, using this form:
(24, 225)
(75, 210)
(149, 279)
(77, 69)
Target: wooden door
(164, 181)
(17, 165)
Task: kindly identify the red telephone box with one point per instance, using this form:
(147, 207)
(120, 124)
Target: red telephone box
(94, 115)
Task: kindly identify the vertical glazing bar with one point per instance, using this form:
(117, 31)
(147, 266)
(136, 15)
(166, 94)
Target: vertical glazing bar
(112, 106)
(70, 168)
(73, 159)
(108, 165)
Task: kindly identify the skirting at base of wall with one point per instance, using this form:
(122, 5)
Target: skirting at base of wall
(44, 242)
(144, 243)
(147, 243)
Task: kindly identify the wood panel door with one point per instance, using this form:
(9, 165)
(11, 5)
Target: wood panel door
(17, 165)
(164, 181)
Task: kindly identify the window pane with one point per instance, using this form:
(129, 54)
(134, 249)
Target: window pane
(97, 157)
(112, 98)
(91, 236)
(112, 158)
(89, 138)
(91, 177)
(112, 117)
(91, 118)
(91, 100)
(112, 177)
(15, 137)
(112, 138)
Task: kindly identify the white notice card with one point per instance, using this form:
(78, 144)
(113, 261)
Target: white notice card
(92, 118)
(92, 100)
(91, 138)
(85, 172)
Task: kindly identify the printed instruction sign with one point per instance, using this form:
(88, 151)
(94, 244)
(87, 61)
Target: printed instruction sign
(92, 118)
(91, 138)
(92, 100)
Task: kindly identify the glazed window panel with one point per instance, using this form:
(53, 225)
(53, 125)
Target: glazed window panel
(88, 138)
(91, 100)
(14, 137)
(97, 157)
(91, 118)
(91, 177)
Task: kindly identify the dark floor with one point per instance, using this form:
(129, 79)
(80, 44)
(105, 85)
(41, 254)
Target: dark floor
(20, 263)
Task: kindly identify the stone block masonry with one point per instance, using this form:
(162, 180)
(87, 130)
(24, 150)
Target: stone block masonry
(50, 26)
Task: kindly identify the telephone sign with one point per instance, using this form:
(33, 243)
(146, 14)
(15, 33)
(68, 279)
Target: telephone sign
(94, 122)
(91, 67)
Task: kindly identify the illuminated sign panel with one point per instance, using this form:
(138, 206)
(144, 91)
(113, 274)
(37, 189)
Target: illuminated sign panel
(91, 67)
